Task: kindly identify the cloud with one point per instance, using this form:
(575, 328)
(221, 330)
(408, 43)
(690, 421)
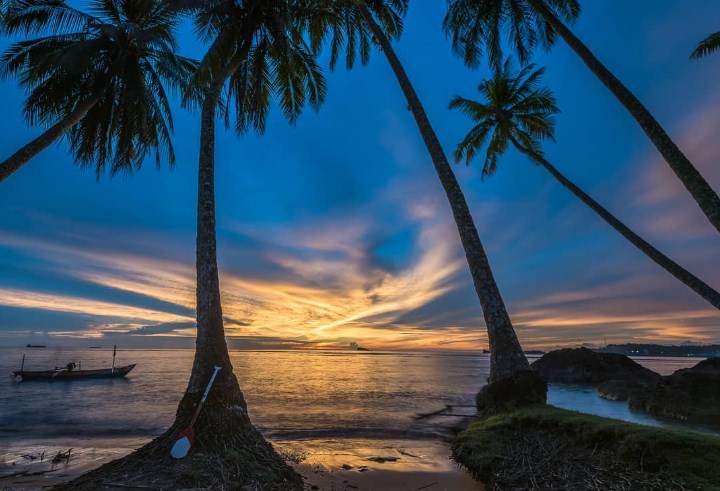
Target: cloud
(673, 212)
(333, 287)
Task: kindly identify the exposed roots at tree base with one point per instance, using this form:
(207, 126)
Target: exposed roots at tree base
(228, 453)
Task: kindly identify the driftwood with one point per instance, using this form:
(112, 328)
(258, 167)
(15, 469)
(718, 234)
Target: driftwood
(62, 457)
(444, 412)
(427, 486)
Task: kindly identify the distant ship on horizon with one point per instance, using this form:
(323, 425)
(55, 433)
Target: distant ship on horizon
(30, 345)
(357, 347)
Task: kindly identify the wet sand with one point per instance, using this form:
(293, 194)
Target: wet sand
(394, 466)
(417, 466)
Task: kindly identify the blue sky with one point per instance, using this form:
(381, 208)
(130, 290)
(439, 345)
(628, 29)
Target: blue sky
(337, 229)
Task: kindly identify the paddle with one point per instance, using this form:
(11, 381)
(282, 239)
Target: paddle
(186, 436)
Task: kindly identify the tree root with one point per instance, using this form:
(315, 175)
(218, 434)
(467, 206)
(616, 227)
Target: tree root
(228, 453)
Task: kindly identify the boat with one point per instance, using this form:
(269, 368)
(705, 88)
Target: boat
(65, 374)
(34, 345)
(69, 372)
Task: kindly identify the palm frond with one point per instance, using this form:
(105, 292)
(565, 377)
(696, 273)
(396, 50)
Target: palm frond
(515, 109)
(707, 46)
(489, 27)
(118, 53)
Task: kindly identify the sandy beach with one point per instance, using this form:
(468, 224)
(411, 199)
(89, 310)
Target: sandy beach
(421, 467)
(424, 466)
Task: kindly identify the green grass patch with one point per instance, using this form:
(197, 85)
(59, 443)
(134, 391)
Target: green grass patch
(687, 457)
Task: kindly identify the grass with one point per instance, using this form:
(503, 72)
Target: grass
(540, 439)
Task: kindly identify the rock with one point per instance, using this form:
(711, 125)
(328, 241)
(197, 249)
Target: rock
(518, 390)
(347, 467)
(691, 394)
(584, 366)
(382, 460)
(619, 390)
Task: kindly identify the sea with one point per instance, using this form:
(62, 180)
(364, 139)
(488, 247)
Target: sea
(326, 406)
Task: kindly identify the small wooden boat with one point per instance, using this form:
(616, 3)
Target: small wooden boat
(65, 374)
(68, 372)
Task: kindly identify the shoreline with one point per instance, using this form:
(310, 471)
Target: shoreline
(324, 465)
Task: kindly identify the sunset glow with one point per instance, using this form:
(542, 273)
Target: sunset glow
(336, 230)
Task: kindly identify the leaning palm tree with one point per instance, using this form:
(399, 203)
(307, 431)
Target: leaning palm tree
(98, 77)
(707, 46)
(478, 25)
(357, 25)
(515, 109)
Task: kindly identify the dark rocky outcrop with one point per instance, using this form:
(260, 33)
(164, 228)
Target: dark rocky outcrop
(691, 394)
(518, 390)
(620, 390)
(584, 366)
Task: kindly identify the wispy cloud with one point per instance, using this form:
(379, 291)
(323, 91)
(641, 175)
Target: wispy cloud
(333, 290)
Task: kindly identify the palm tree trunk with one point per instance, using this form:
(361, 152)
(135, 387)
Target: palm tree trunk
(690, 280)
(224, 422)
(210, 346)
(507, 356)
(706, 198)
(22, 156)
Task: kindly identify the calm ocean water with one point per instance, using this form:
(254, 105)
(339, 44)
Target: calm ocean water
(337, 401)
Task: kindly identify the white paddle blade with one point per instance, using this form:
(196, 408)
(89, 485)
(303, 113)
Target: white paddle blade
(181, 448)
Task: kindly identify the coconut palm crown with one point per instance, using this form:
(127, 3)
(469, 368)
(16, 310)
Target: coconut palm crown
(482, 27)
(477, 25)
(516, 109)
(113, 62)
(348, 32)
(259, 50)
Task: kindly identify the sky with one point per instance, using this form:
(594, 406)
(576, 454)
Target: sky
(337, 230)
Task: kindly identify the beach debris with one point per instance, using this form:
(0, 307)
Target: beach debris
(447, 411)
(32, 457)
(363, 468)
(62, 457)
(402, 451)
(426, 486)
(294, 456)
(382, 460)
(347, 467)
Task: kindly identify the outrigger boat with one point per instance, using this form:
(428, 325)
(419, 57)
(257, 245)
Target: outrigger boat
(69, 372)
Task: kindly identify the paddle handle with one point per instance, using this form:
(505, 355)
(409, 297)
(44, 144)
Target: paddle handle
(202, 401)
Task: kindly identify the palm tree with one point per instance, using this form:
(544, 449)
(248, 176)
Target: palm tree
(257, 52)
(517, 110)
(477, 25)
(707, 46)
(98, 79)
(356, 25)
